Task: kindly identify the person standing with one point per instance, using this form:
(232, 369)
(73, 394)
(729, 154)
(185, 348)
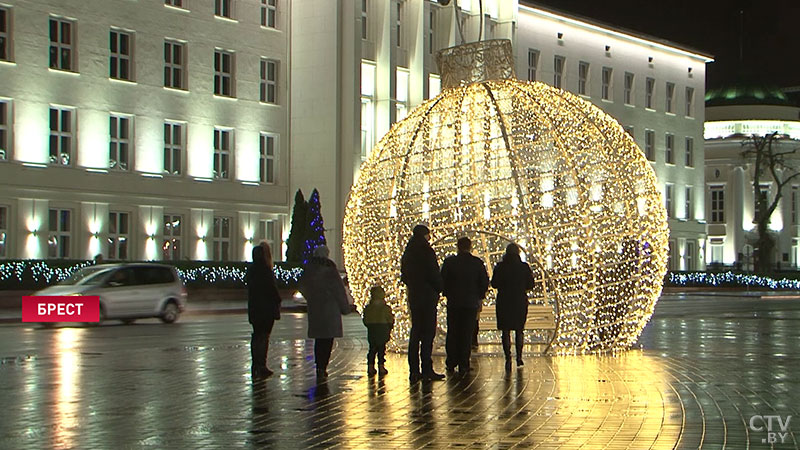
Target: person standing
(326, 301)
(379, 320)
(263, 307)
(419, 271)
(512, 278)
(464, 282)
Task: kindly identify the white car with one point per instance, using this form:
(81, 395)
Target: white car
(128, 291)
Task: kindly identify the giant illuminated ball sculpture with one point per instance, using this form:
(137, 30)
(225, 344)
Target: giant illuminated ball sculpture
(501, 160)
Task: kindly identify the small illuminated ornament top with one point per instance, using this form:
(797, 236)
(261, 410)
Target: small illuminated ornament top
(502, 160)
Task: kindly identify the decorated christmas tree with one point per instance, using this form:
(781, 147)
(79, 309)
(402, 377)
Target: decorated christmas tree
(315, 230)
(295, 244)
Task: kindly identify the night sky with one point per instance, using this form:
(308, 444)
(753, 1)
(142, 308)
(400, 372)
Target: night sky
(771, 44)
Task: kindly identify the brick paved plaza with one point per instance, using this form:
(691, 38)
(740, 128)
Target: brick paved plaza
(707, 365)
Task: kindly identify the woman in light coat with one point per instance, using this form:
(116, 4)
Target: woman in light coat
(326, 300)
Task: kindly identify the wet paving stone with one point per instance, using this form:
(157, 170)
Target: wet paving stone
(704, 368)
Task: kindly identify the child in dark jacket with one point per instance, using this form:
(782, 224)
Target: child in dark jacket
(379, 320)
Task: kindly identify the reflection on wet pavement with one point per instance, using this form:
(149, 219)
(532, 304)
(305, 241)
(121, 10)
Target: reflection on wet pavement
(704, 369)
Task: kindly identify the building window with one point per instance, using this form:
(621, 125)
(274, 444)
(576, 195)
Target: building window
(121, 55)
(3, 231)
(401, 94)
(649, 92)
(5, 131)
(669, 149)
(367, 108)
(61, 141)
(583, 77)
(629, 130)
(223, 73)
(5, 34)
(670, 98)
(650, 145)
(689, 152)
(717, 204)
(717, 252)
(762, 194)
(118, 235)
(269, 81)
(266, 146)
(364, 19)
(175, 3)
(691, 253)
(174, 65)
(533, 63)
(606, 94)
(558, 70)
(794, 205)
(171, 246)
(223, 8)
(669, 195)
(119, 144)
(687, 213)
(267, 232)
(398, 23)
(434, 85)
(61, 44)
(689, 102)
(431, 27)
(173, 148)
(269, 12)
(628, 88)
(221, 238)
(223, 142)
(60, 227)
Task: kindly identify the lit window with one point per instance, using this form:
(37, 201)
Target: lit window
(269, 13)
(223, 143)
(5, 34)
(269, 81)
(717, 204)
(221, 238)
(434, 85)
(171, 244)
(62, 53)
(60, 227)
(401, 93)
(431, 27)
(606, 91)
(558, 70)
(399, 22)
(689, 102)
(173, 148)
(121, 44)
(5, 130)
(687, 214)
(669, 149)
(533, 63)
(689, 152)
(175, 3)
(268, 232)
(118, 235)
(583, 77)
(61, 136)
(367, 107)
(223, 73)
(670, 98)
(174, 65)
(266, 172)
(650, 145)
(223, 8)
(628, 88)
(119, 142)
(668, 199)
(649, 92)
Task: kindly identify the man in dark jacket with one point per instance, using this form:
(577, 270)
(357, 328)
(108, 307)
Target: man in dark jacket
(465, 284)
(420, 273)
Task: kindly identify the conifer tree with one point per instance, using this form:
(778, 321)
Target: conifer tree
(296, 241)
(315, 229)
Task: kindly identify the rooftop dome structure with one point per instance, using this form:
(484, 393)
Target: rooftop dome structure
(744, 93)
(502, 160)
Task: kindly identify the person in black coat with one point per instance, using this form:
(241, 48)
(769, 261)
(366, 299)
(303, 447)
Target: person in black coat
(419, 271)
(263, 307)
(465, 282)
(512, 278)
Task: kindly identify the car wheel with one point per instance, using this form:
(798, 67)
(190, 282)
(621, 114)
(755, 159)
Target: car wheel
(128, 321)
(100, 318)
(170, 312)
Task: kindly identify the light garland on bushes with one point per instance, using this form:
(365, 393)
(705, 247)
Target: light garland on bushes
(501, 160)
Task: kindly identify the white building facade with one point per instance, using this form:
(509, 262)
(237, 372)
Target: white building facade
(734, 114)
(150, 130)
(358, 66)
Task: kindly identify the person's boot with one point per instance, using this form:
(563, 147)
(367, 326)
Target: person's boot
(371, 365)
(506, 339)
(519, 353)
(382, 369)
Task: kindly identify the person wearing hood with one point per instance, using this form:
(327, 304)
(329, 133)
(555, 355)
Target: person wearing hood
(512, 278)
(378, 319)
(419, 271)
(263, 307)
(326, 301)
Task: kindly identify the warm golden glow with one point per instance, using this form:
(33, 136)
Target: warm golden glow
(510, 161)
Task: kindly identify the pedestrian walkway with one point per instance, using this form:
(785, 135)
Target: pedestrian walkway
(697, 383)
